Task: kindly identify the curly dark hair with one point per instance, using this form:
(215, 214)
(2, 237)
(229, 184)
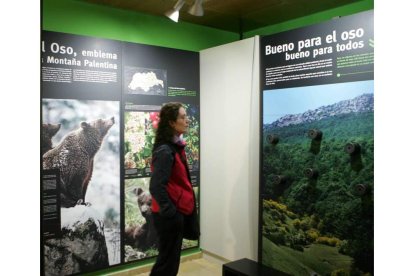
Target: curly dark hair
(169, 112)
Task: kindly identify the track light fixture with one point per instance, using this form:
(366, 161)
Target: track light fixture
(175, 12)
(196, 9)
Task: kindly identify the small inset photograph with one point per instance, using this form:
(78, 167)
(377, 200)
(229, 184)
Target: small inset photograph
(140, 237)
(145, 81)
(140, 129)
(192, 138)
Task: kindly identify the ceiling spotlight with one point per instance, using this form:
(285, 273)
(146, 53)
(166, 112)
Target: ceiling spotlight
(175, 12)
(197, 8)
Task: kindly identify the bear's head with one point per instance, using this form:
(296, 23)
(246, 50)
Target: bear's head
(144, 200)
(99, 127)
(48, 131)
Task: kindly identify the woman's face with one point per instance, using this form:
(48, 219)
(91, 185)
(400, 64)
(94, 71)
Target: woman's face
(180, 126)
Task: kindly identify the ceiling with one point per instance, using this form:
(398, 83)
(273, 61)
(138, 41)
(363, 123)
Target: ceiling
(231, 15)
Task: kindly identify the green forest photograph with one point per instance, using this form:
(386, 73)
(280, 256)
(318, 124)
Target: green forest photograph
(318, 179)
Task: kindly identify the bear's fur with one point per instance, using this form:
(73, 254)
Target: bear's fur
(48, 131)
(74, 158)
(142, 237)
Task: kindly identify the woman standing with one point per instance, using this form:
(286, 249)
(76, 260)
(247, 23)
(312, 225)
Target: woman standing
(173, 200)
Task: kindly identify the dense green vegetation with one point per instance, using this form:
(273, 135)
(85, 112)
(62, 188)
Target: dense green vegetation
(327, 209)
(319, 258)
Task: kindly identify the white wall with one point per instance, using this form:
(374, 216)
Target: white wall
(229, 191)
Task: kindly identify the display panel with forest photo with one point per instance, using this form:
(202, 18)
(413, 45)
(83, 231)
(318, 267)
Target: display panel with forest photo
(318, 176)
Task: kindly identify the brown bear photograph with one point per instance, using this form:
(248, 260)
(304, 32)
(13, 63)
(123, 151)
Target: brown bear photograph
(140, 236)
(82, 142)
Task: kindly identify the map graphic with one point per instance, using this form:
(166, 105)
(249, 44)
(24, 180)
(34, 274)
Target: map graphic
(145, 81)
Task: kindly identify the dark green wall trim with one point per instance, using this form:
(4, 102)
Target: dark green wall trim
(78, 17)
(81, 18)
(315, 18)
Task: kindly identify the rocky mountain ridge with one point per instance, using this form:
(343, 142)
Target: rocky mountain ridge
(362, 103)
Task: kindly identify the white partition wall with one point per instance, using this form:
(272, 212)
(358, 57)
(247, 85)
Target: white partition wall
(229, 97)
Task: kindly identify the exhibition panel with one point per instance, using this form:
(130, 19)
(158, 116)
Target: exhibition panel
(317, 148)
(100, 102)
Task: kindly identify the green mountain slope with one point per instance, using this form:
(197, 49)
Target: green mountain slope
(334, 196)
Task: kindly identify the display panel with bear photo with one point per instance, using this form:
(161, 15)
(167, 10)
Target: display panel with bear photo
(100, 101)
(81, 141)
